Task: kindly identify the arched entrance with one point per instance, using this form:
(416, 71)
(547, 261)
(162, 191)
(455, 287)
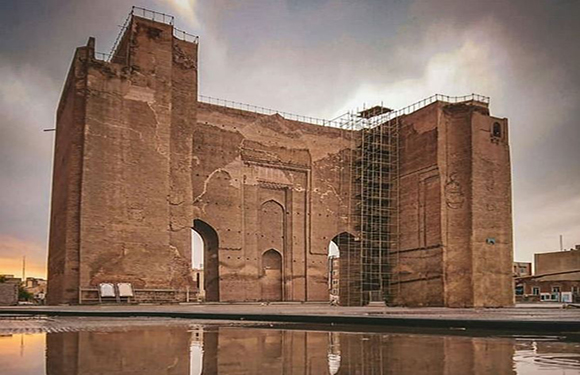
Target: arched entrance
(333, 272)
(210, 260)
(197, 249)
(344, 270)
(271, 280)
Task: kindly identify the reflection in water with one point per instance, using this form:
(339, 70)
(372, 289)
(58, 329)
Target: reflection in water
(196, 351)
(192, 349)
(22, 354)
(333, 352)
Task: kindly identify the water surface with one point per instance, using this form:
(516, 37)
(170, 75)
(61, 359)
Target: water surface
(60, 346)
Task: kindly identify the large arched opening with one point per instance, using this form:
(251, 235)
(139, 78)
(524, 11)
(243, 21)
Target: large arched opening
(210, 259)
(197, 268)
(342, 275)
(271, 280)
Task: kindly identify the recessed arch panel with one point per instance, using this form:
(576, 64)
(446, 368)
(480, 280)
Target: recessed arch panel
(271, 278)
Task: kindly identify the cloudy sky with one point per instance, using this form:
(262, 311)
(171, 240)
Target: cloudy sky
(317, 58)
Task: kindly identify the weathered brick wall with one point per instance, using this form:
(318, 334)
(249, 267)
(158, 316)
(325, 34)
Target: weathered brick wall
(420, 253)
(122, 196)
(455, 209)
(8, 294)
(139, 162)
(264, 182)
(492, 237)
(63, 260)
(456, 169)
(135, 219)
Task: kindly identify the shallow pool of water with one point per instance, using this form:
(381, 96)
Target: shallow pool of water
(60, 346)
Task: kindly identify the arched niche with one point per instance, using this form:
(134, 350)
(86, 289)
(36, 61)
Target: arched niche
(272, 226)
(271, 278)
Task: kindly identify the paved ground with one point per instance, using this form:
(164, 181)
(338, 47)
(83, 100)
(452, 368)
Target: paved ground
(524, 318)
(44, 324)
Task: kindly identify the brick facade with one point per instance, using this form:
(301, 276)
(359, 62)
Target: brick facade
(139, 162)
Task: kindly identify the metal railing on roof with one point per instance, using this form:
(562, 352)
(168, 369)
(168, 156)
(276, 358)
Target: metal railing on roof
(150, 15)
(263, 110)
(103, 56)
(185, 36)
(385, 117)
(347, 120)
(123, 27)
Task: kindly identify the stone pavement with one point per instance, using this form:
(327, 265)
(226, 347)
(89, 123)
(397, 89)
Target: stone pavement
(529, 319)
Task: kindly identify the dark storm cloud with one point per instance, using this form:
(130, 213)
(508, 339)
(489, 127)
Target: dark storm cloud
(320, 58)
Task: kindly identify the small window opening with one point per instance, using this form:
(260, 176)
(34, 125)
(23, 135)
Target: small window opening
(496, 130)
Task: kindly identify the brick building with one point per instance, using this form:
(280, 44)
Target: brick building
(556, 277)
(9, 278)
(36, 287)
(522, 269)
(417, 200)
(8, 294)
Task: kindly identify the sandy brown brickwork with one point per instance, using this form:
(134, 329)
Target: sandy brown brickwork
(8, 294)
(139, 161)
(121, 206)
(266, 183)
(455, 204)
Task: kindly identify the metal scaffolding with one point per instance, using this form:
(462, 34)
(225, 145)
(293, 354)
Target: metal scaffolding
(370, 181)
(369, 255)
(375, 195)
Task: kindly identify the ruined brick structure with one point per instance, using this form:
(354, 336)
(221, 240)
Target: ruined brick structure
(139, 161)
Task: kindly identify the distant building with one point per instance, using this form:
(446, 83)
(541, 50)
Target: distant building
(8, 278)
(8, 294)
(556, 277)
(37, 287)
(522, 269)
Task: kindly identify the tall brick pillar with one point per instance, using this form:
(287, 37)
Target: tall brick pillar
(122, 187)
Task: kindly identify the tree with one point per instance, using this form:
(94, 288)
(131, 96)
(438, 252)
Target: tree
(23, 294)
(2, 279)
